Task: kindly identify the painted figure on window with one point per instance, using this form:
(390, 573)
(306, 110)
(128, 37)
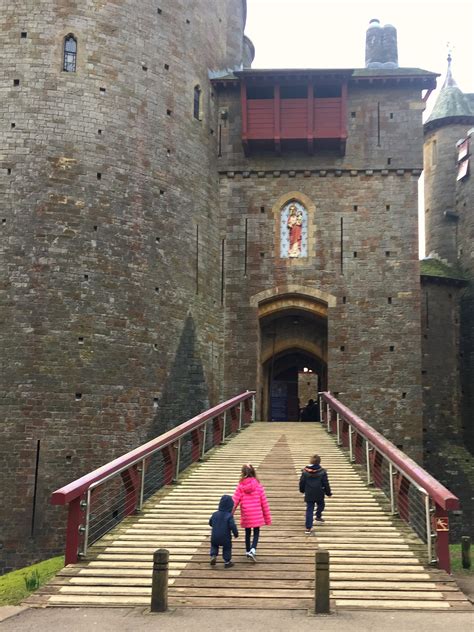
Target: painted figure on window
(295, 228)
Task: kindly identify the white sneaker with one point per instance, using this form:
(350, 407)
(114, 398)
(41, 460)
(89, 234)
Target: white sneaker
(252, 555)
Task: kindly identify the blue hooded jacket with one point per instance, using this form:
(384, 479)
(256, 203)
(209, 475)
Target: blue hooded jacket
(223, 523)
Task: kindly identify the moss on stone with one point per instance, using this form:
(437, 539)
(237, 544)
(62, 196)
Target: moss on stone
(437, 268)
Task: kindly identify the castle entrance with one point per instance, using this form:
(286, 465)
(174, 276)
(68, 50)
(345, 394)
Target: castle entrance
(293, 356)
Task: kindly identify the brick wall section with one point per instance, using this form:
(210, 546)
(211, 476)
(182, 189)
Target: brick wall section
(465, 210)
(444, 454)
(381, 385)
(100, 293)
(441, 362)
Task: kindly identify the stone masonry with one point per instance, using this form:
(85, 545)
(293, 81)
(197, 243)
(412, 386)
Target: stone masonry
(111, 312)
(374, 357)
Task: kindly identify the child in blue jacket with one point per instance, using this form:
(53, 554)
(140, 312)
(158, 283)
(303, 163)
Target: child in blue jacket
(223, 525)
(314, 484)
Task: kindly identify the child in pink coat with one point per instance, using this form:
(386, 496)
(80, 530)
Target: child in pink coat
(254, 509)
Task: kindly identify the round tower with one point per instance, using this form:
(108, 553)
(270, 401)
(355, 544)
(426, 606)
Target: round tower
(448, 123)
(110, 217)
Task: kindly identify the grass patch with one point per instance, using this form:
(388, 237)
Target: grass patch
(17, 585)
(456, 560)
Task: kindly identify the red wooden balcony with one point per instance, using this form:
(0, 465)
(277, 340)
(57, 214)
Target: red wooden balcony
(294, 116)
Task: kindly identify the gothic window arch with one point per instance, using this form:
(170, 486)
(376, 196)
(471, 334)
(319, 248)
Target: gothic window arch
(293, 230)
(70, 53)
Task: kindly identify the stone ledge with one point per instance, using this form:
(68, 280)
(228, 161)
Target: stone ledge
(321, 173)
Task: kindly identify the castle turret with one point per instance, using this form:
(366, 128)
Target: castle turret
(449, 121)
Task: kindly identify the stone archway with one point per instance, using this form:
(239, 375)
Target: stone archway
(293, 326)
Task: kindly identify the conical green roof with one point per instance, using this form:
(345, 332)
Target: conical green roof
(451, 103)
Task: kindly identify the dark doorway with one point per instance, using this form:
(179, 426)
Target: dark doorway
(284, 402)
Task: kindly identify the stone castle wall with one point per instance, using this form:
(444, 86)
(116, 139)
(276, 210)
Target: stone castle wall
(465, 210)
(448, 325)
(445, 455)
(374, 329)
(440, 154)
(111, 304)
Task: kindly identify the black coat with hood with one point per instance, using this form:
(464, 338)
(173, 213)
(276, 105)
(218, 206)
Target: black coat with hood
(314, 483)
(223, 523)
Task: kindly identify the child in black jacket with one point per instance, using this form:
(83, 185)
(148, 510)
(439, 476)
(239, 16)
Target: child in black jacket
(223, 525)
(314, 484)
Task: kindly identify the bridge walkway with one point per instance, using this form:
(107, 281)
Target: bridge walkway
(376, 559)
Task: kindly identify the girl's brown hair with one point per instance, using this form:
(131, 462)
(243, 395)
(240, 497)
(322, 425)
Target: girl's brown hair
(248, 471)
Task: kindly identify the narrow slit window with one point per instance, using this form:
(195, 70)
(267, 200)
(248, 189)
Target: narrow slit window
(70, 53)
(197, 103)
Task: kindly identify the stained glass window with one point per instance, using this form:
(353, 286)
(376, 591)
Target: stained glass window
(70, 53)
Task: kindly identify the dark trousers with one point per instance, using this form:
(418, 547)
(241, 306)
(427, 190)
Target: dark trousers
(320, 504)
(226, 550)
(248, 535)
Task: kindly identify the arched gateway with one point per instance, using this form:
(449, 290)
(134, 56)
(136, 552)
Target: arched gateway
(292, 360)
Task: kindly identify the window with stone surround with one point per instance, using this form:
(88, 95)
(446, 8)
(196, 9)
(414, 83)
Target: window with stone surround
(69, 53)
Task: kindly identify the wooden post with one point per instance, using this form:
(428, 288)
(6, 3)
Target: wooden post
(159, 585)
(321, 584)
(442, 538)
(466, 551)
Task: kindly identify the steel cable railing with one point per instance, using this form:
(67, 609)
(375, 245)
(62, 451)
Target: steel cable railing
(414, 495)
(102, 499)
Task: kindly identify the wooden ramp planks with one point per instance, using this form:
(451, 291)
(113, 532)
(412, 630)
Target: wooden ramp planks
(375, 559)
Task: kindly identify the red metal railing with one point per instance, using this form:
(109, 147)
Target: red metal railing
(99, 500)
(414, 494)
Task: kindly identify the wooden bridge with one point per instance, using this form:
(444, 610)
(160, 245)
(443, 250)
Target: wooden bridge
(377, 560)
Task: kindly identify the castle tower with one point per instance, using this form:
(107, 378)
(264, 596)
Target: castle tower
(449, 121)
(448, 297)
(111, 295)
(319, 175)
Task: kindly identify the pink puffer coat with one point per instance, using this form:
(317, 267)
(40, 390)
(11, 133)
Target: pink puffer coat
(254, 509)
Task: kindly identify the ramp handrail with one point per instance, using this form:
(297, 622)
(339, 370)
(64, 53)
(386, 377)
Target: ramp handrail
(398, 475)
(129, 492)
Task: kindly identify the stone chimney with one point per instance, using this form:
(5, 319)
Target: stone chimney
(381, 49)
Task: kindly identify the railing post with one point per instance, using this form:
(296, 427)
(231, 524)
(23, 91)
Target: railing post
(429, 542)
(73, 532)
(321, 583)
(204, 437)
(178, 459)
(87, 503)
(392, 489)
(328, 419)
(159, 582)
(241, 405)
(338, 429)
(224, 419)
(442, 538)
(367, 459)
(142, 485)
(351, 454)
(253, 408)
